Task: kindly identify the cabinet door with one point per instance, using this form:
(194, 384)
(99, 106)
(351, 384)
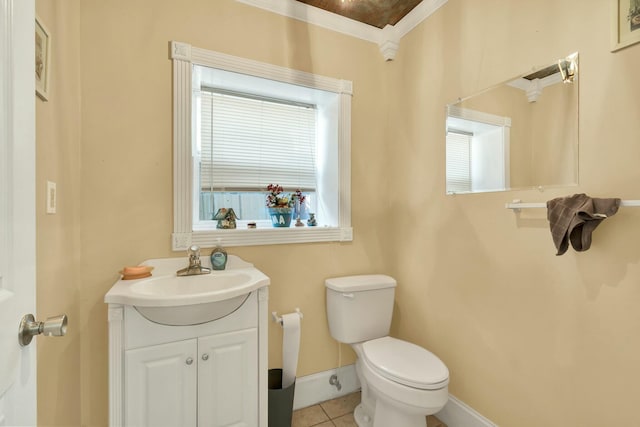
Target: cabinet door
(228, 379)
(160, 385)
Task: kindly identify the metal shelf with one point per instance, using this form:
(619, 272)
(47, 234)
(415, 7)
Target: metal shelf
(516, 205)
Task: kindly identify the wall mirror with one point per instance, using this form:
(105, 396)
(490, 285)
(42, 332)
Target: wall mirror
(519, 134)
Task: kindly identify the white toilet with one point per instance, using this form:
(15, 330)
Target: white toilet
(401, 382)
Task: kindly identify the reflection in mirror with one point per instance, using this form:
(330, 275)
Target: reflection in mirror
(519, 134)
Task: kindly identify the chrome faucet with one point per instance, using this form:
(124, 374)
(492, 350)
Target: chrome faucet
(194, 268)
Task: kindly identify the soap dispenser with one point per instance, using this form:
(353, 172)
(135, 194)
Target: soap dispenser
(219, 257)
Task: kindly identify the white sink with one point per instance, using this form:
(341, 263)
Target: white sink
(172, 300)
(211, 286)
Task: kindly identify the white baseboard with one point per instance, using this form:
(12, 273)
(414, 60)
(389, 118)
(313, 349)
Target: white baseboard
(313, 389)
(458, 414)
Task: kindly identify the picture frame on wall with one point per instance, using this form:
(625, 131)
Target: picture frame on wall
(43, 60)
(625, 23)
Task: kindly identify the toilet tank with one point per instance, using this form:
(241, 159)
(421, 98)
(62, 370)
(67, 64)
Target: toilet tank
(359, 308)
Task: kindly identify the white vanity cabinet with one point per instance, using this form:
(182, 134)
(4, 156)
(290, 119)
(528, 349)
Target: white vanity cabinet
(209, 373)
(215, 377)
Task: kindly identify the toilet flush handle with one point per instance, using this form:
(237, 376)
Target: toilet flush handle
(350, 296)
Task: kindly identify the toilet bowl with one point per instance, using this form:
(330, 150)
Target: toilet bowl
(401, 382)
(406, 381)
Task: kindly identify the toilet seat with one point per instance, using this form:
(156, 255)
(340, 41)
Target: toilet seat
(405, 363)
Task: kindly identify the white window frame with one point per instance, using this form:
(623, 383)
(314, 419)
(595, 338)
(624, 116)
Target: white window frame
(184, 56)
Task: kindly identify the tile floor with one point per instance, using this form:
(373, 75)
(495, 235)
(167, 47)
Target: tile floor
(338, 413)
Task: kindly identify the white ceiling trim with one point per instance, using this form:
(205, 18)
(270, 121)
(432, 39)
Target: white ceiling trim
(422, 11)
(387, 39)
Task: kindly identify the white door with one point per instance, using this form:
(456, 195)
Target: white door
(17, 209)
(160, 385)
(228, 379)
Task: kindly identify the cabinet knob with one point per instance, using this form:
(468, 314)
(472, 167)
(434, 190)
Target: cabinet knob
(205, 356)
(189, 360)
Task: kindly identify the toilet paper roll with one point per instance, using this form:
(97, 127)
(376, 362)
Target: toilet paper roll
(290, 347)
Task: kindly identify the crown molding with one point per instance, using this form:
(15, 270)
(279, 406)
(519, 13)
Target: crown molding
(387, 39)
(422, 11)
(316, 16)
(388, 42)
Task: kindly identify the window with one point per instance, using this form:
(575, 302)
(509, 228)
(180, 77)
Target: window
(240, 125)
(477, 151)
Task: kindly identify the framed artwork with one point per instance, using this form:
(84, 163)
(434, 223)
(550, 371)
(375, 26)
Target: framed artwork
(43, 60)
(625, 23)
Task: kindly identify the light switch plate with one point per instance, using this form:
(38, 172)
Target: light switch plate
(52, 197)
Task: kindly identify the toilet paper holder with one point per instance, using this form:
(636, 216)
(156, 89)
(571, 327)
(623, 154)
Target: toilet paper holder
(278, 319)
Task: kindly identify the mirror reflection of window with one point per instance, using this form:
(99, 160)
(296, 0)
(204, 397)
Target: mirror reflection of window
(477, 147)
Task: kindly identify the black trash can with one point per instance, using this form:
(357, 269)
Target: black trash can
(280, 400)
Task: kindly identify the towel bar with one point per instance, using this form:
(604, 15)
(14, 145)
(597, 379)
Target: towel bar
(516, 205)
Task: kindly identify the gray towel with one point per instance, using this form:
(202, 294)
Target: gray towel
(573, 219)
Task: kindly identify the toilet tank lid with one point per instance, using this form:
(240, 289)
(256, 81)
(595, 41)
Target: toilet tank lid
(366, 282)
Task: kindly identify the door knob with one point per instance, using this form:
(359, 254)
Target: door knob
(52, 327)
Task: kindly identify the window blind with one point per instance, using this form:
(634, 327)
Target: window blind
(247, 142)
(458, 162)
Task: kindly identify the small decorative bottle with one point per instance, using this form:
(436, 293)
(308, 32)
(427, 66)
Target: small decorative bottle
(219, 257)
(297, 211)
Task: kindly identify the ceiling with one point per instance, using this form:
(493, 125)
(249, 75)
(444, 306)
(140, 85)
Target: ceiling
(377, 13)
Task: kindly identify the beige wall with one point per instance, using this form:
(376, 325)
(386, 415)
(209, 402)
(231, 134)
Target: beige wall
(58, 236)
(529, 338)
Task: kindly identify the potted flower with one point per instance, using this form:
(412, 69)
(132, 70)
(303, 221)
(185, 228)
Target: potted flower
(280, 205)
